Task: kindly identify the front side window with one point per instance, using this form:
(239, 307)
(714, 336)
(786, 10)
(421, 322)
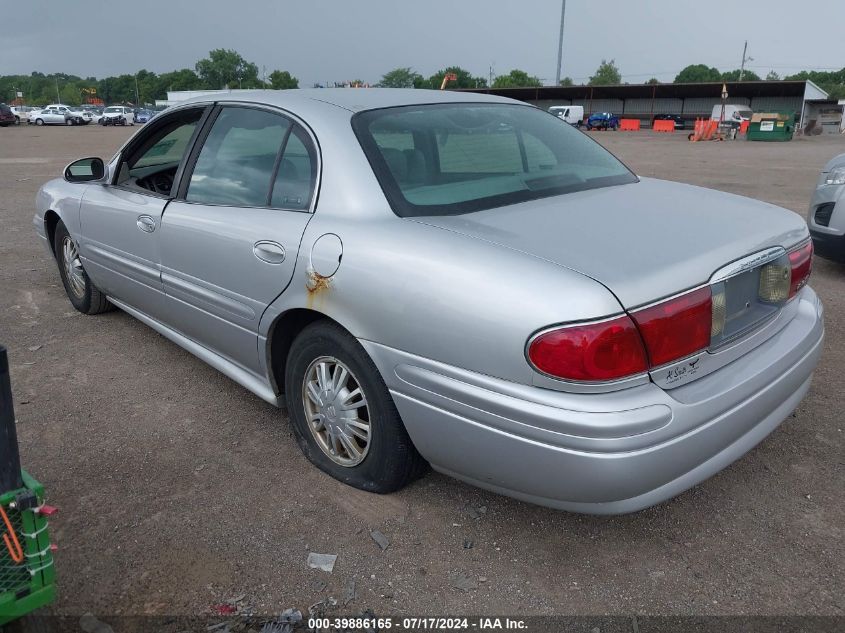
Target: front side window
(168, 143)
(152, 161)
(448, 159)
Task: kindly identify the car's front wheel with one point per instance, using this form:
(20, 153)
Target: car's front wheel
(39, 121)
(344, 419)
(70, 122)
(83, 294)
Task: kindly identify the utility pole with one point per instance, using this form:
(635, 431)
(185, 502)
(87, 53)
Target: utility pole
(560, 42)
(58, 98)
(137, 98)
(490, 74)
(744, 59)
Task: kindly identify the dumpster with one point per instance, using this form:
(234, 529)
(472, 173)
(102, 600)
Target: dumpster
(26, 558)
(771, 126)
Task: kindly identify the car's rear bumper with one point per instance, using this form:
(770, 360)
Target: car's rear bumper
(602, 453)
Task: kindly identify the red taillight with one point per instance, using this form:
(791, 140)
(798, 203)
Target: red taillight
(607, 350)
(677, 327)
(801, 263)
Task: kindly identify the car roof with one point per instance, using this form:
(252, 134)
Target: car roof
(352, 99)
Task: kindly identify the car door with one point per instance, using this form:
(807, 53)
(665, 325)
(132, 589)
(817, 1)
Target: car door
(120, 221)
(229, 241)
(50, 115)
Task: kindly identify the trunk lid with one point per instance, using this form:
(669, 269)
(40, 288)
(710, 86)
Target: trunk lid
(644, 241)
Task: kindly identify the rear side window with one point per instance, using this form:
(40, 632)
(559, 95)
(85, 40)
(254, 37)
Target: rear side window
(238, 159)
(293, 187)
(255, 158)
(448, 159)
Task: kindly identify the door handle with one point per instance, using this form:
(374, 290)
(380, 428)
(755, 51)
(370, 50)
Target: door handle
(269, 251)
(146, 223)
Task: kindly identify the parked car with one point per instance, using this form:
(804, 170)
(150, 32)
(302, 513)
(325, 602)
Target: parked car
(463, 292)
(680, 123)
(96, 114)
(117, 115)
(7, 117)
(21, 113)
(142, 116)
(572, 114)
(602, 121)
(81, 116)
(51, 115)
(827, 211)
(59, 114)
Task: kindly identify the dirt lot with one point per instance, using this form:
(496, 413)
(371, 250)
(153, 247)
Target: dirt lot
(178, 489)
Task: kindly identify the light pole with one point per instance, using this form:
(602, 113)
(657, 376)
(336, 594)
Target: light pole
(560, 42)
(744, 59)
(137, 98)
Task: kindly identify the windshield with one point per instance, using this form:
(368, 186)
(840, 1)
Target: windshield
(111, 110)
(448, 159)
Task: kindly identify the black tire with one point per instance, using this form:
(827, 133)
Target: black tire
(391, 461)
(90, 300)
(39, 121)
(70, 122)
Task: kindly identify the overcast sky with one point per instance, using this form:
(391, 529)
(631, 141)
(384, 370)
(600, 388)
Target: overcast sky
(337, 40)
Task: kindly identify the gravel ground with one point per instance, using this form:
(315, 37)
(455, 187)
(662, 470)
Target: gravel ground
(179, 489)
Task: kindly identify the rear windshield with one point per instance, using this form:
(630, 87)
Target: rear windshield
(448, 159)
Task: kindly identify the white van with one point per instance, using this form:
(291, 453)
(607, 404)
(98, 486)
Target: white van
(733, 113)
(572, 114)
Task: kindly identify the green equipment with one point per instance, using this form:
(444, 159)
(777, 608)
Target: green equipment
(771, 126)
(27, 575)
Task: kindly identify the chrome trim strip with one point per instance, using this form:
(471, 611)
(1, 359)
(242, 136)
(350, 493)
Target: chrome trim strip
(747, 263)
(646, 306)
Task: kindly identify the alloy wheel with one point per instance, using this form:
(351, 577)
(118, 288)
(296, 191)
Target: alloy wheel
(336, 410)
(73, 267)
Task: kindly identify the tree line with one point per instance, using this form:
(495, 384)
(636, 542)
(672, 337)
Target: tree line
(225, 68)
(221, 69)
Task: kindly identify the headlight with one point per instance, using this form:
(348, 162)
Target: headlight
(835, 176)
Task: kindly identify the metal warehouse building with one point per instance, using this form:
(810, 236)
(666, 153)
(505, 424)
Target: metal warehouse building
(643, 101)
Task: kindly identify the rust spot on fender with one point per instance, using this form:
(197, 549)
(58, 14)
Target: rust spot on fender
(316, 285)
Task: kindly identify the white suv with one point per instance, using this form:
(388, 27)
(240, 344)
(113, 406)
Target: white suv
(117, 115)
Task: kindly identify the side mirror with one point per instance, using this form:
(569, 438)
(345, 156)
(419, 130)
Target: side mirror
(85, 170)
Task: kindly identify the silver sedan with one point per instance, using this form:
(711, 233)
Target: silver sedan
(450, 279)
